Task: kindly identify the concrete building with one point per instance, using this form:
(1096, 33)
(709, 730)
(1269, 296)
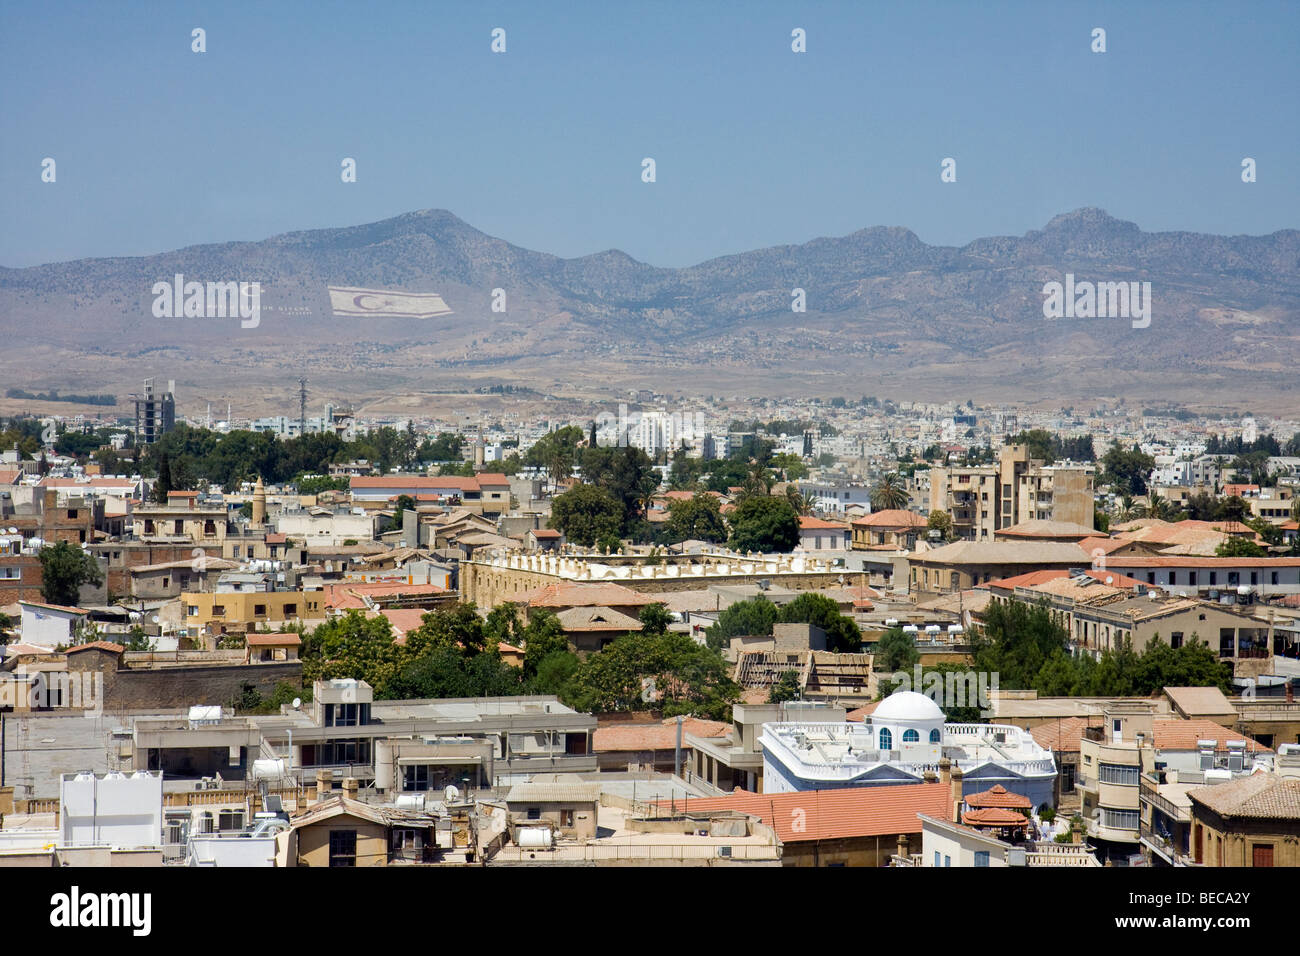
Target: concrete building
(982, 499)
(904, 736)
(1252, 821)
(967, 564)
(347, 733)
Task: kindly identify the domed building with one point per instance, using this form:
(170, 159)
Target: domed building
(905, 738)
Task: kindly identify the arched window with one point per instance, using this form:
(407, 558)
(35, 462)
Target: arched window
(935, 736)
(911, 737)
(886, 739)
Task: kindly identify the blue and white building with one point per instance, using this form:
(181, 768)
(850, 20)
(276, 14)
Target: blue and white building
(899, 743)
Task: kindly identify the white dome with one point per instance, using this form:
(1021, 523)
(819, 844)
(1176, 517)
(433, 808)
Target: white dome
(906, 706)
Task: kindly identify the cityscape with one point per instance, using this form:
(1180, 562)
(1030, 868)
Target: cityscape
(337, 531)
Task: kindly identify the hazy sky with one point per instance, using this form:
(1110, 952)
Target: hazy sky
(158, 147)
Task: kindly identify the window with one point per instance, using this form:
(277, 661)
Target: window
(981, 857)
(566, 818)
(1119, 819)
(886, 739)
(343, 848)
(1273, 578)
(1151, 577)
(1214, 577)
(290, 610)
(947, 860)
(936, 857)
(1176, 640)
(218, 610)
(259, 610)
(911, 737)
(1117, 773)
(935, 736)
(1191, 577)
(534, 813)
(415, 777)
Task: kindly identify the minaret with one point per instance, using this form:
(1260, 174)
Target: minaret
(259, 502)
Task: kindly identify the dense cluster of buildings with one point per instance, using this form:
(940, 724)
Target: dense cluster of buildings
(129, 736)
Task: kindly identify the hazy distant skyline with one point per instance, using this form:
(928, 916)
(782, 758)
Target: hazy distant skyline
(158, 147)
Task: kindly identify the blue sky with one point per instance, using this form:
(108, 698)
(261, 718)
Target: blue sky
(158, 147)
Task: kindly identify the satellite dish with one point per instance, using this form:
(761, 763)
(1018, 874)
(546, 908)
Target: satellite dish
(297, 702)
(154, 619)
(451, 793)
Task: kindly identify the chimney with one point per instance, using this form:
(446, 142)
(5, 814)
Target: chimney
(945, 771)
(350, 787)
(324, 784)
(51, 501)
(957, 799)
(1290, 693)
(903, 845)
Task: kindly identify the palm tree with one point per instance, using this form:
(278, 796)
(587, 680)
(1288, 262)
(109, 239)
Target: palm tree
(1159, 507)
(1128, 509)
(889, 493)
(802, 503)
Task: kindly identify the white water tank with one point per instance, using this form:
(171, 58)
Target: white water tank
(267, 768)
(533, 836)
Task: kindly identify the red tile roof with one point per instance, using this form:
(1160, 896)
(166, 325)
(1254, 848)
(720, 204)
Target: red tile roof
(994, 817)
(1060, 735)
(1178, 734)
(657, 736)
(838, 814)
(809, 523)
(891, 518)
(1194, 562)
(108, 646)
(273, 640)
(1000, 796)
(568, 594)
(1034, 578)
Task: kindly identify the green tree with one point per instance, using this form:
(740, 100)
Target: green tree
(670, 669)
(1235, 547)
(542, 637)
(1126, 471)
(588, 516)
(786, 688)
(940, 521)
(842, 635)
(763, 523)
(890, 492)
(628, 475)
(751, 618)
(696, 518)
(655, 619)
(64, 569)
(895, 651)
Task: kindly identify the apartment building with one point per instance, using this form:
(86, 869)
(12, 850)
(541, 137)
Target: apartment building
(982, 499)
(1136, 768)
(208, 615)
(398, 746)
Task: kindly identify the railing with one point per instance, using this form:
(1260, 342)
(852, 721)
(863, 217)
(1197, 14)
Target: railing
(1149, 794)
(637, 852)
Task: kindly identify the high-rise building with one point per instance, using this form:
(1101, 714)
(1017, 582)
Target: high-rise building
(986, 498)
(155, 414)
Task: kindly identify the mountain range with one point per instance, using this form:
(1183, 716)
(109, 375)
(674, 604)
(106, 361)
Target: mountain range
(886, 314)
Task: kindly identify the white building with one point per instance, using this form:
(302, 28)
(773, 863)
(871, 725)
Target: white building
(903, 738)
